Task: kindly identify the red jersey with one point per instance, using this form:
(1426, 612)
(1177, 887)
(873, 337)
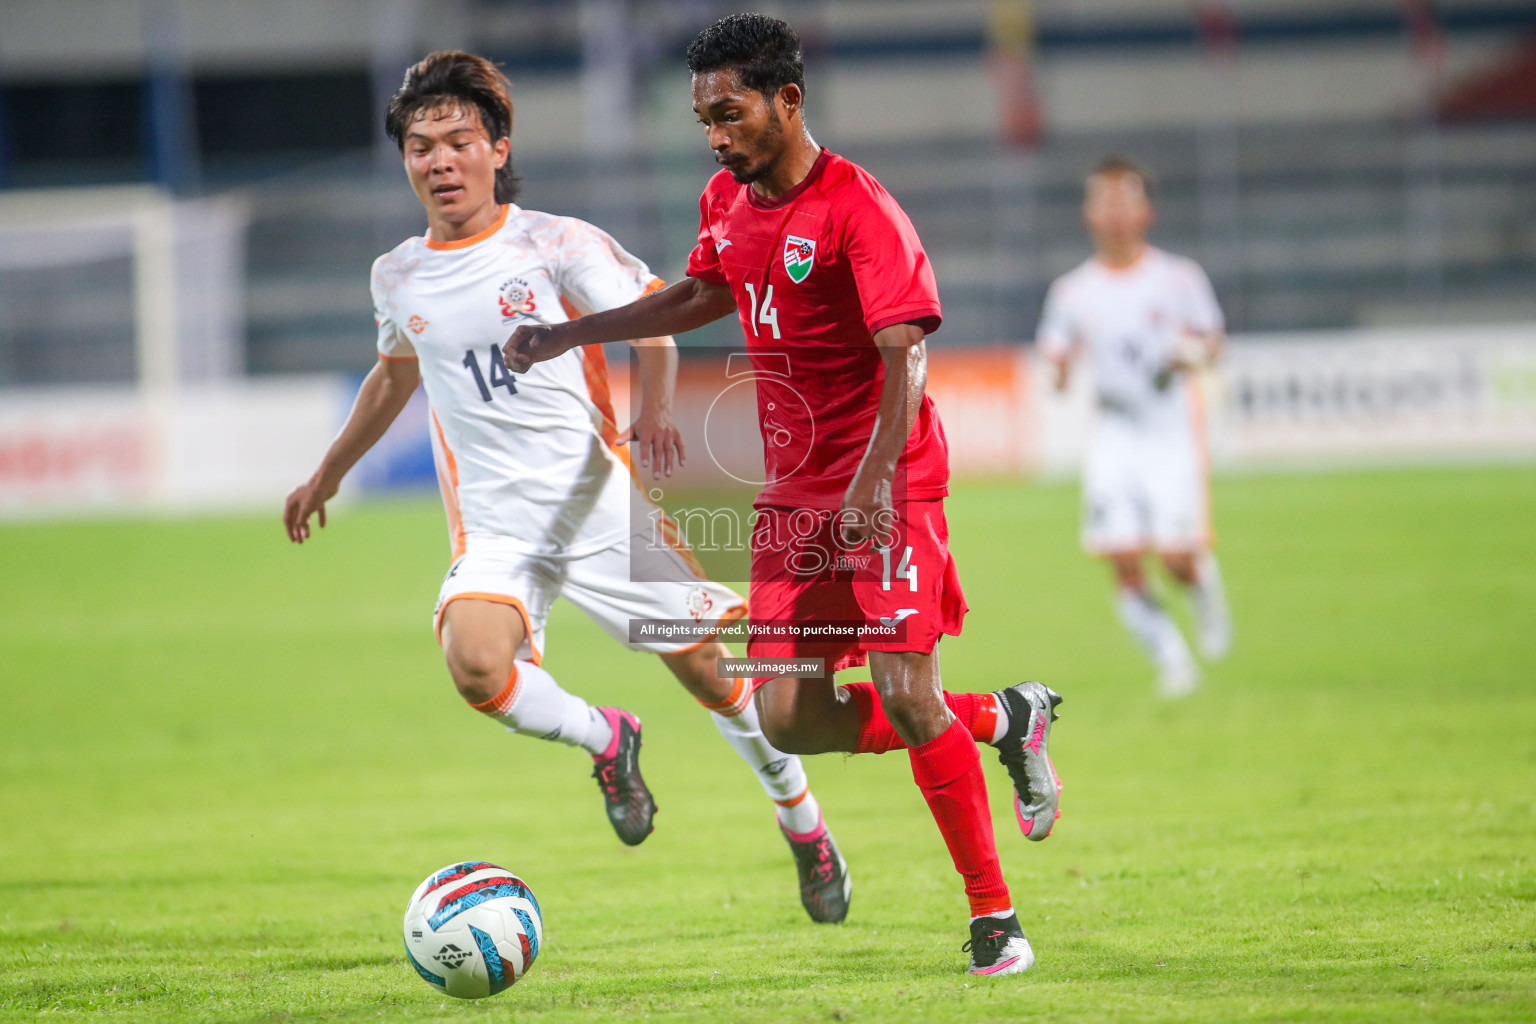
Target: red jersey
(816, 273)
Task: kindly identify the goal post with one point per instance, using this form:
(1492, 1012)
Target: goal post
(186, 258)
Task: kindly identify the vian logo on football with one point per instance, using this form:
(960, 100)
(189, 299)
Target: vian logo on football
(799, 257)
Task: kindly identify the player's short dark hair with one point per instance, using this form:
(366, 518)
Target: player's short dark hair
(1115, 165)
(453, 78)
(764, 52)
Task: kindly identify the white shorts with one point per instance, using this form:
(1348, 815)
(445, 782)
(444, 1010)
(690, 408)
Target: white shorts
(600, 584)
(1145, 493)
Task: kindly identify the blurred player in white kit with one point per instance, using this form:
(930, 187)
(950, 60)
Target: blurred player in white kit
(1147, 321)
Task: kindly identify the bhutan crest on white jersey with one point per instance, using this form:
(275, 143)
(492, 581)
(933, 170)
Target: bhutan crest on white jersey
(516, 299)
(700, 604)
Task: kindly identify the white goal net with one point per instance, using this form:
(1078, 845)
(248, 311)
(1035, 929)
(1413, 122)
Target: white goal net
(119, 286)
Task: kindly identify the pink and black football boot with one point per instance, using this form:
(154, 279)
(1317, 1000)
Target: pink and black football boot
(998, 947)
(825, 888)
(617, 771)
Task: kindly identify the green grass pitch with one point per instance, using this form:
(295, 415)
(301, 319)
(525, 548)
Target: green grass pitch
(225, 763)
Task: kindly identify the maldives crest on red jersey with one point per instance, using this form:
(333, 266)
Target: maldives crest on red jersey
(799, 257)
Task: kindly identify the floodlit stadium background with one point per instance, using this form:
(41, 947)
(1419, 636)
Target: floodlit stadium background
(193, 192)
(226, 761)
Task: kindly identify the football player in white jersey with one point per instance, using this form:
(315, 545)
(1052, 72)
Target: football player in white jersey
(534, 472)
(1146, 321)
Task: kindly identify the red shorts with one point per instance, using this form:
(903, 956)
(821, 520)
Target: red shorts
(813, 597)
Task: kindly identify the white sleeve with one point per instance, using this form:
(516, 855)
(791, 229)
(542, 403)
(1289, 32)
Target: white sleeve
(594, 272)
(392, 343)
(1201, 310)
(1056, 332)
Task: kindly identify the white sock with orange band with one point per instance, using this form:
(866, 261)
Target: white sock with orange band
(534, 704)
(782, 775)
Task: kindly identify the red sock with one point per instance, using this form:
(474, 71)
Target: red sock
(876, 734)
(948, 771)
(977, 713)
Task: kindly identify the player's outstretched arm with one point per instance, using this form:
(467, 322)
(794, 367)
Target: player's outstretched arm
(654, 431)
(384, 393)
(868, 505)
(684, 306)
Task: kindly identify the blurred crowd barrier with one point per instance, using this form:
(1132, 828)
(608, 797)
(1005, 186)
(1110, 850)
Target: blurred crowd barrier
(1314, 227)
(109, 449)
(1320, 227)
(1347, 397)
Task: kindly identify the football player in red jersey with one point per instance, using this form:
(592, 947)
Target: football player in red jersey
(835, 296)
(536, 480)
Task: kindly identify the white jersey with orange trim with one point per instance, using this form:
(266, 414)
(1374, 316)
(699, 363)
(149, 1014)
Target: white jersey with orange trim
(538, 498)
(1127, 323)
(1145, 483)
(525, 461)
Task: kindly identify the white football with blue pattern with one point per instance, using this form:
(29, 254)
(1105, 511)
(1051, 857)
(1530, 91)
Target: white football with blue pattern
(472, 929)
